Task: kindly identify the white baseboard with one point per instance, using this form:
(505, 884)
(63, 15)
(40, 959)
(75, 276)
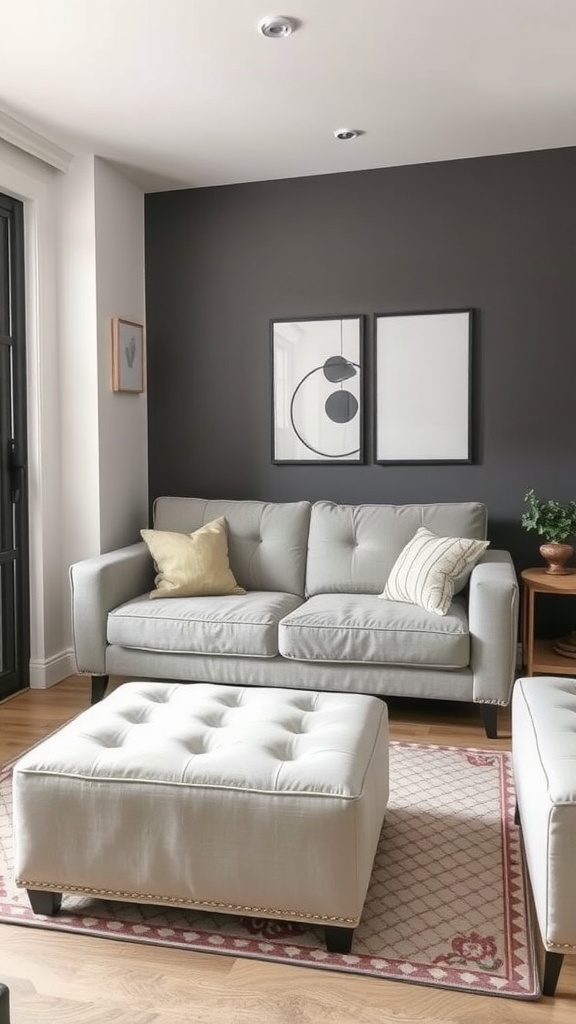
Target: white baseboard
(51, 671)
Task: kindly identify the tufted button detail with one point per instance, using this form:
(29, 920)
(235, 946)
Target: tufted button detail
(215, 721)
(195, 749)
(282, 753)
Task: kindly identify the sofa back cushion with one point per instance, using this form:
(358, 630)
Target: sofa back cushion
(352, 548)
(266, 541)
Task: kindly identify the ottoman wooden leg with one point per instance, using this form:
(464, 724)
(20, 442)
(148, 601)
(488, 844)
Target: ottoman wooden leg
(338, 940)
(46, 903)
(4, 1005)
(552, 965)
(99, 684)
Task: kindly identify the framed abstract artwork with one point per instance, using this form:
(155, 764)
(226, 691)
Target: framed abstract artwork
(317, 402)
(423, 387)
(127, 356)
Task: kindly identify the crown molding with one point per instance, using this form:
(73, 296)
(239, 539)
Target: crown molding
(32, 142)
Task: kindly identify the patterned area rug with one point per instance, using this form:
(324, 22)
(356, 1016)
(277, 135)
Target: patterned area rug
(446, 906)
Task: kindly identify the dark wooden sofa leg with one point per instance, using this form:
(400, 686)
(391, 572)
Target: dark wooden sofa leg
(45, 903)
(489, 714)
(4, 1005)
(338, 940)
(552, 965)
(99, 684)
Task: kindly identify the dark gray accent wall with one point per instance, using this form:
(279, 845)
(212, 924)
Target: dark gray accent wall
(497, 234)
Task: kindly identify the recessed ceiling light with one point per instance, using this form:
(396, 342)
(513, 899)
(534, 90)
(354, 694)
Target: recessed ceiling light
(345, 134)
(276, 26)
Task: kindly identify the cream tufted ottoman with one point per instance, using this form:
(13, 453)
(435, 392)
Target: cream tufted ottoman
(263, 802)
(544, 759)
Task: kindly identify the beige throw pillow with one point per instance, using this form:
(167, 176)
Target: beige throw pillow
(192, 564)
(430, 570)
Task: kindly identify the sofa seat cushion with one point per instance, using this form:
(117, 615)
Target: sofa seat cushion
(229, 625)
(362, 628)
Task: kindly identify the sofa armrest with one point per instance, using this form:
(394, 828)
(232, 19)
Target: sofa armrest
(493, 623)
(98, 585)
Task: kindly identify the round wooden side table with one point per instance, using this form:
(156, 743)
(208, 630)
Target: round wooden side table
(538, 655)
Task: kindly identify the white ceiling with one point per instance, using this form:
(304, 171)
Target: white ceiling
(188, 93)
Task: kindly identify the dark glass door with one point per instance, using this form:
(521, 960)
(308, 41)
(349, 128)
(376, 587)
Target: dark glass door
(14, 598)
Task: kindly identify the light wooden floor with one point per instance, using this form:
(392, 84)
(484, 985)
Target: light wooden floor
(71, 979)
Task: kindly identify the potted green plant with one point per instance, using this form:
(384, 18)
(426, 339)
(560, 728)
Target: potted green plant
(555, 522)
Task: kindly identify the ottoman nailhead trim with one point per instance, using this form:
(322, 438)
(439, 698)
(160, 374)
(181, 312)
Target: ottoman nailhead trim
(136, 896)
(500, 703)
(560, 945)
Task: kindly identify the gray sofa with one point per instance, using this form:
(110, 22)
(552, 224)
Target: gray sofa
(311, 617)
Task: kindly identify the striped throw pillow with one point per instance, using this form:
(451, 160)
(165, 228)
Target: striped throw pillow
(431, 569)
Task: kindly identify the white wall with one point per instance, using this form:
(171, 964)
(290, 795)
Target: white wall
(104, 434)
(78, 363)
(87, 449)
(122, 417)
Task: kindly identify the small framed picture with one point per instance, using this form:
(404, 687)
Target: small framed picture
(127, 356)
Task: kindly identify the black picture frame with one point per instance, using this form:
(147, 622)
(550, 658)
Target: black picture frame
(423, 387)
(317, 371)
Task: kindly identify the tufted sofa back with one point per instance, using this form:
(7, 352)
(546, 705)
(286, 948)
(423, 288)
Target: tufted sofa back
(324, 548)
(352, 548)
(266, 541)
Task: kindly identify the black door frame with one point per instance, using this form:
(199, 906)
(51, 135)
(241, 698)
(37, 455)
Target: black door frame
(14, 544)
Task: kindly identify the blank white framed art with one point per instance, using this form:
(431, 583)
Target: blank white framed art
(423, 387)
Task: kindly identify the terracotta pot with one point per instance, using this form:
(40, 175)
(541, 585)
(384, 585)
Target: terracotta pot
(556, 555)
